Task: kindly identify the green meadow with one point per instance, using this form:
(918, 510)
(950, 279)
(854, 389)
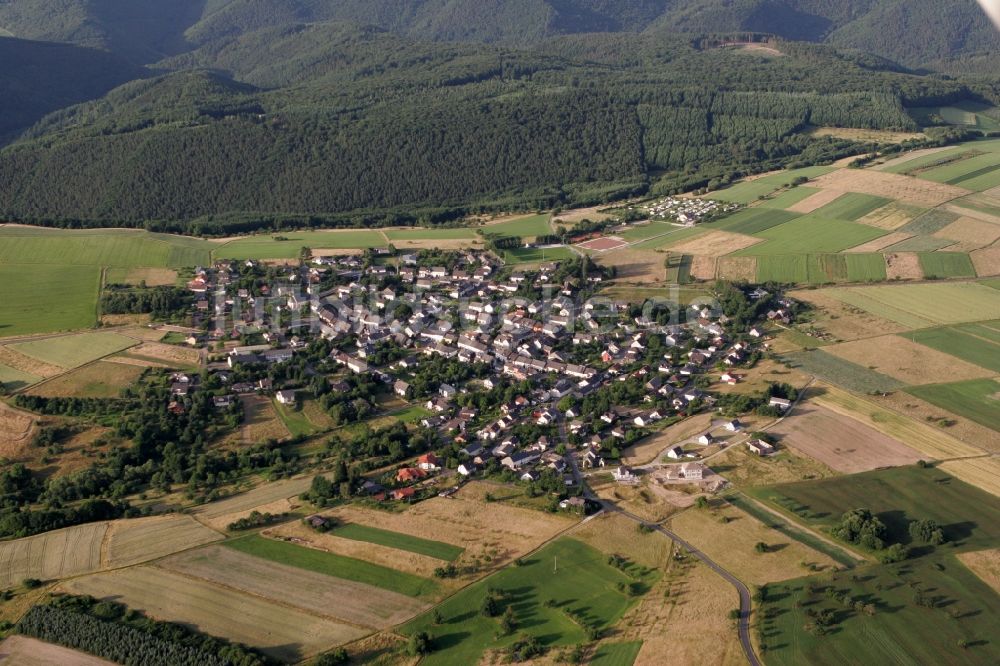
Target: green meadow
(72, 351)
(976, 343)
(977, 399)
(851, 206)
(44, 298)
(526, 227)
(399, 541)
(752, 190)
(811, 234)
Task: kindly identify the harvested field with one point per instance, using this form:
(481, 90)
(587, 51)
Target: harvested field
(67, 552)
(896, 416)
(816, 201)
(903, 266)
(139, 540)
(892, 217)
(715, 244)
(635, 266)
(135, 362)
(984, 473)
(27, 364)
(262, 495)
(891, 186)
(316, 593)
(438, 244)
(911, 363)
(970, 233)
(840, 442)
(650, 448)
(924, 305)
(745, 469)
(171, 355)
(879, 243)
(614, 533)
(577, 215)
(97, 380)
(153, 277)
(468, 522)
(703, 267)
(732, 544)
(26, 651)
(277, 630)
(401, 560)
(72, 351)
(684, 619)
(985, 564)
(16, 430)
(986, 261)
(15, 380)
(737, 268)
(260, 421)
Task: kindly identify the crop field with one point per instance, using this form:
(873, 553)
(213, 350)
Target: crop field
(67, 552)
(26, 651)
(279, 631)
(138, 540)
(120, 248)
(715, 244)
(946, 265)
(841, 372)
(975, 343)
(97, 380)
(899, 357)
(892, 217)
(268, 247)
(925, 305)
(334, 565)
(975, 173)
(525, 227)
(840, 442)
(616, 654)
(878, 244)
(13, 379)
(930, 222)
(753, 220)
(812, 234)
(317, 593)
(912, 191)
(852, 206)
(752, 190)
(977, 399)
(921, 159)
(969, 517)
(669, 238)
(44, 299)
(980, 472)
(573, 575)
(970, 233)
(732, 544)
(262, 495)
(72, 351)
(986, 261)
(919, 244)
(962, 613)
(430, 234)
(436, 549)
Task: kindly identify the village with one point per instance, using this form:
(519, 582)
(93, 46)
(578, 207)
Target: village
(521, 375)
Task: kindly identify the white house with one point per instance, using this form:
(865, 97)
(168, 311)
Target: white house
(285, 397)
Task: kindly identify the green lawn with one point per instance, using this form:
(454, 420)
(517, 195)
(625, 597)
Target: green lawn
(900, 631)
(946, 264)
(970, 517)
(811, 234)
(411, 414)
(616, 654)
(977, 399)
(295, 420)
(976, 343)
(753, 221)
(72, 351)
(338, 566)
(526, 227)
(47, 299)
(269, 247)
(12, 379)
(852, 206)
(435, 549)
(925, 305)
(836, 370)
(574, 576)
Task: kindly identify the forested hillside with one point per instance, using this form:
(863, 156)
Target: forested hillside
(373, 122)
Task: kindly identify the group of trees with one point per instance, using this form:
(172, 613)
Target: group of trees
(161, 302)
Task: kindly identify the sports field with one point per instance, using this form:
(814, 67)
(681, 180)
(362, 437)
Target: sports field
(338, 566)
(969, 517)
(977, 399)
(812, 234)
(925, 305)
(72, 351)
(525, 227)
(961, 611)
(536, 255)
(45, 299)
(289, 245)
(576, 578)
(975, 343)
(436, 549)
